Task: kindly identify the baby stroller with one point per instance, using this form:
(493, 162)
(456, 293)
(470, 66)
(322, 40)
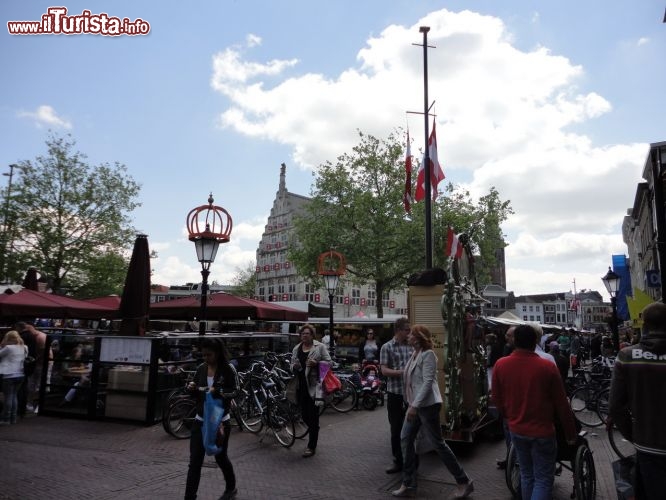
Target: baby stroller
(371, 386)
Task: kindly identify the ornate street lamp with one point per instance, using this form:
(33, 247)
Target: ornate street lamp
(612, 283)
(331, 265)
(216, 223)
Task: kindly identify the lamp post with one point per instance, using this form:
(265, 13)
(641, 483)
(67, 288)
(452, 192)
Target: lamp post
(331, 265)
(216, 223)
(612, 283)
(6, 246)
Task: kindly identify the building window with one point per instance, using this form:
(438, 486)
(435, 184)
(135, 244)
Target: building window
(531, 317)
(525, 310)
(531, 308)
(355, 296)
(385, 299)
(372, 297)
(309, 292)
(262, 291)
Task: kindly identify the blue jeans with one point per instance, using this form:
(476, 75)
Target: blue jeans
(652, 473)
(10, 388)
(536, 458)
(427, 418)
(395, 407)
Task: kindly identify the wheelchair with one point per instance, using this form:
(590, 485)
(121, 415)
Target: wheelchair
(575, 458)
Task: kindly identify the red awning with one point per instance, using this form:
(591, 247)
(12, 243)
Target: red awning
(47, 305)
(224, 306)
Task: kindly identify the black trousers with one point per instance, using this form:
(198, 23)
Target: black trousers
(197, 454)
(396, 408)
(310, 414)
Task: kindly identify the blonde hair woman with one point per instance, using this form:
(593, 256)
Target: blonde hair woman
(12, 356)
(425, 402)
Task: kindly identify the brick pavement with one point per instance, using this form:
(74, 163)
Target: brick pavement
(55, 458)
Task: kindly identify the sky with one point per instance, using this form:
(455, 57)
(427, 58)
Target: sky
(553, 103)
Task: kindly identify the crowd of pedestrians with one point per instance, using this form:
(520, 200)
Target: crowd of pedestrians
(527, 369)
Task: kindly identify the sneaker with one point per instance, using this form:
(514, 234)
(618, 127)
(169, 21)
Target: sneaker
(404, 492)
(464, 490)
(308, 452)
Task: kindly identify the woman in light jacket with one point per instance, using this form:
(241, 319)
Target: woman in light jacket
(305, 364)
(12, 356)
(425, 401)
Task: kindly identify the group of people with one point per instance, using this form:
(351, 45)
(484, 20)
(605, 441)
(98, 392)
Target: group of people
(20, 382)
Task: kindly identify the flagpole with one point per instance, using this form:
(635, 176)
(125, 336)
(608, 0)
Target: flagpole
(426, 167)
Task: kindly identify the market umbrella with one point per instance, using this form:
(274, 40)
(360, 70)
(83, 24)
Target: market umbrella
(48, 305)
(112, 301)
(30, 280)
(224, 306)
(135, 301)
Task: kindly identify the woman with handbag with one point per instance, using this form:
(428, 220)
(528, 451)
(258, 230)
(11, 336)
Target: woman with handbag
(221, 379)
(305, 360)
(12, 357)
(425, 402)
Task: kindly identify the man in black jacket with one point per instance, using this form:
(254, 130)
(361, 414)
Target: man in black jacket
(638, 403)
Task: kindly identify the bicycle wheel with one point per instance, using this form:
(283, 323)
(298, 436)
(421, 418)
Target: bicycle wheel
(603, 404)
(585, 476)
(250, 414)
(179, 418)
(512, 473)
(300, 427)
(621, 446)
(281, 423)
(344, 400)
(584, 406)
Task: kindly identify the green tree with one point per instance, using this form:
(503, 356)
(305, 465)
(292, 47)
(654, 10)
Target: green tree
(99, 276)
(245, 281)
(357, 209)
(67, 212)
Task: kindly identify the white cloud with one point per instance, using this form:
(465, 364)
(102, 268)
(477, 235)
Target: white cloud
(506, 118)
(642, 41)
(46, 116)
(252, 40)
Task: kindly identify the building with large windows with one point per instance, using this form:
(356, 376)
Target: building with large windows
(278, 279)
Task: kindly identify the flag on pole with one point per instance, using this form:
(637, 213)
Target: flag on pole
(454, 247)
(407, 198)
(436, 172)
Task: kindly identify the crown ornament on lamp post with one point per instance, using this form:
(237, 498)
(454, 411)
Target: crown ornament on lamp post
(208, 226)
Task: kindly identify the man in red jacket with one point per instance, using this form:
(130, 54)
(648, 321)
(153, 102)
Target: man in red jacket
(529, 394)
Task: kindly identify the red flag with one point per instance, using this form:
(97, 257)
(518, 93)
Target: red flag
(454, 247)
(407, 198)
(436, 172)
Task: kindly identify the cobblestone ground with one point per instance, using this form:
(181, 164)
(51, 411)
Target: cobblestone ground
(55, 458)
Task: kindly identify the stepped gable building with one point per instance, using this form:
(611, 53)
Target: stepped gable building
(278, 280)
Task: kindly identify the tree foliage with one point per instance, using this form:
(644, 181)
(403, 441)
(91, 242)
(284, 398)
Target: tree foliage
(99, 276)
(244, 281)
(69, 218)
(357, 209)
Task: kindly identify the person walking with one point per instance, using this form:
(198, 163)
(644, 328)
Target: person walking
(528, 392)
(393, 357)
(425, 402)
(305, 360)
(12, 356)
(636, 402)
(220, 377)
